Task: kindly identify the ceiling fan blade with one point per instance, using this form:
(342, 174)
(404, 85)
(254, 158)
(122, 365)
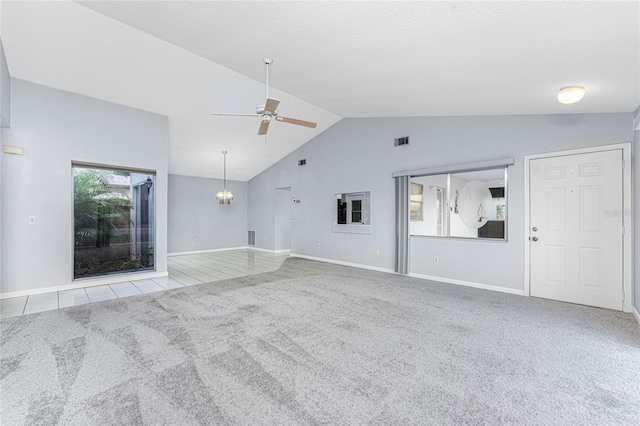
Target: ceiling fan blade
(296, 121)
(235, 115)
(264, 126)
(271, 105)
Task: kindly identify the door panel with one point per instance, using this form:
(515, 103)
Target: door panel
(576, 250)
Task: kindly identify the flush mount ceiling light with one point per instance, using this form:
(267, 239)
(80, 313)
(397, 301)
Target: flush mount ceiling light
(571, 94)
(224, 196)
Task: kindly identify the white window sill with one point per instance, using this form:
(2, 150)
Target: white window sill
(352, 229)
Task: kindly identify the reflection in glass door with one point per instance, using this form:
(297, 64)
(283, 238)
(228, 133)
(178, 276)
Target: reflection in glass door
(440, 210)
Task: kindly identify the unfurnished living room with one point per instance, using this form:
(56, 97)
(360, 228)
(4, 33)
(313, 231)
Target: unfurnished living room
(319, 212)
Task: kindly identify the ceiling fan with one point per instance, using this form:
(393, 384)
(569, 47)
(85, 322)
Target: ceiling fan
(269, 111)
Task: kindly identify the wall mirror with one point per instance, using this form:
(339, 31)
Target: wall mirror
(464, 205)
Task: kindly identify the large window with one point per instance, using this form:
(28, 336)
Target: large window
(466, 205)
(113, 215)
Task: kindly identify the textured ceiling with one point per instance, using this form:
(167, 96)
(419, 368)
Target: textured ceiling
(369, 59)
(332, 60)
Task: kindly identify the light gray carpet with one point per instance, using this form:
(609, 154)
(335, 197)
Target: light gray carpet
(319, 343)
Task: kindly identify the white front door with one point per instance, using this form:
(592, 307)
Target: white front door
(576, 234)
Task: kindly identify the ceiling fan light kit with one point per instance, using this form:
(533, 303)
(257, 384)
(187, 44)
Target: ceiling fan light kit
(571, 94)
(224, 196)
(269, 110)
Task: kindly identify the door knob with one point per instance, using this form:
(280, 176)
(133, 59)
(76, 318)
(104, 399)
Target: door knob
(534, 238)
(534, 229)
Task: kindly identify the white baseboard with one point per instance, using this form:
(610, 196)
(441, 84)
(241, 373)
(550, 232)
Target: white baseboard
(339, 262)
(469, 284)
(181, 253)
(636, 314)
(269, 251)
(88, 282)
(425, 277)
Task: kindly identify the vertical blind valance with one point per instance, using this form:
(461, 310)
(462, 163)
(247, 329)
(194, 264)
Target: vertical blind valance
(454, 168)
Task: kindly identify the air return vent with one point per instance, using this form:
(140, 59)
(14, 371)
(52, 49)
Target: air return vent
(401, 141)
(302, 162)
(252, 238)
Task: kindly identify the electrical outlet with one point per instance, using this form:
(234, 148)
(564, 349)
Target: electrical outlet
(318, 245)
(436, 259)
(377, 252)
(195, 241)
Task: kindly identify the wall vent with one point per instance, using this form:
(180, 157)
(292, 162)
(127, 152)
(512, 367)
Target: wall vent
(302, 162)
(252, 238)
(401, 141)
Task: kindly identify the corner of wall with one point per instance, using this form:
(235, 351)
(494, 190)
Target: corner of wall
(5, 109)
(635, 152)
(5, 90)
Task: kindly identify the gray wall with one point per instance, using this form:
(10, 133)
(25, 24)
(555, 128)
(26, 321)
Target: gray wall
(358, 155)
(5, 121)
(5, 90)
(194, 213)
(636, 213)
(56, 128)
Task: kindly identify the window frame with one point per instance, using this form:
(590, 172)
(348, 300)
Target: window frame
(449, 199)
(153, 218)
(349, 226)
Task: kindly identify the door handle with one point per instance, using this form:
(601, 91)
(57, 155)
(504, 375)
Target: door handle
(534, 229)
(534, 238)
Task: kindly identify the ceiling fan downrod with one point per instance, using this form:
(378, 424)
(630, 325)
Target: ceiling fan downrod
(268, 61)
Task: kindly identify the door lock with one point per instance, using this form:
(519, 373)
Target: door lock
(534, 229)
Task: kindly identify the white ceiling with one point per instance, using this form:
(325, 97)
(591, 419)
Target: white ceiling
(333, 59)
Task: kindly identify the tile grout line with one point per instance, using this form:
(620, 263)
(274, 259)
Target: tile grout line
(215, 260)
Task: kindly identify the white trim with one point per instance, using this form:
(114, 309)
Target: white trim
(181, 253)
(526, 284)
(454, 168)
(269, 251)
(339, 262)
(425, 277)
(352, 229)
(88, 282)
(636, 314)
(468, 284)
(627, 205)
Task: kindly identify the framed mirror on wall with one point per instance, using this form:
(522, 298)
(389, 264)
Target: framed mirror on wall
(466, 204)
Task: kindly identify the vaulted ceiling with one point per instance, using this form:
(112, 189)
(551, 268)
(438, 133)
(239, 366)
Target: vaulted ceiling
(331, 60)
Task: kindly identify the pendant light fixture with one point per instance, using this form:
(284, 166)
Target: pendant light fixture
(224, 196)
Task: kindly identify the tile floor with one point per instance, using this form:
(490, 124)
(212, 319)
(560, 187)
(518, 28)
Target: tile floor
(184, 271)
